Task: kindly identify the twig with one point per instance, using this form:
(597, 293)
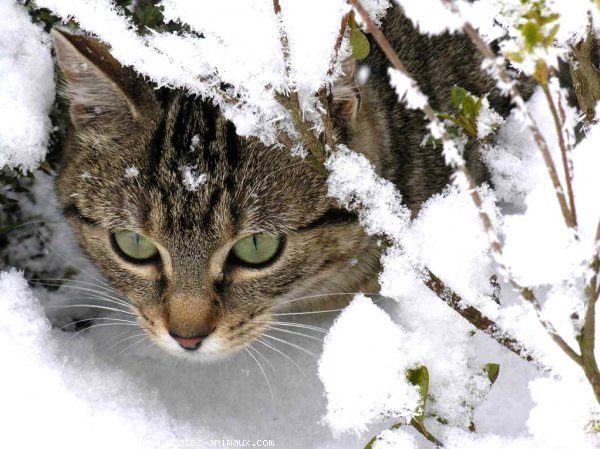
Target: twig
(588, 332)
(587, 358)
(500, 72)
(324, 94)
(559, 121)
(475, 317)
(460, 167)
(291, 103)
(338, 43)
(419, 427)
(423, 431)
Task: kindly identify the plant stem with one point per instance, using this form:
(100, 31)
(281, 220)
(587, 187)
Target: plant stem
(588, 332)
(475, 317)
(460, 167)
(423, 431)
(587, 358)
(564, 148)
(499, 71)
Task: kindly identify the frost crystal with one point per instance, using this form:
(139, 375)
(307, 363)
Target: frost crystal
(406, 89)
(131, 172)
(191, 179)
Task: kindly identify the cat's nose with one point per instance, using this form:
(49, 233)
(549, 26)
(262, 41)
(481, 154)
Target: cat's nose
(188, 343)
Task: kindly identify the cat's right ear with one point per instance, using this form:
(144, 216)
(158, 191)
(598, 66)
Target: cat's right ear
(101, 93)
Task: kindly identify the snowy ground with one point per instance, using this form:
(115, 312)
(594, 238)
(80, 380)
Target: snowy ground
(108, 387)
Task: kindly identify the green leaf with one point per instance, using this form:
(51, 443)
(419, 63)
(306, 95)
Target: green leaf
(478, 106)
(45, 166)
(420, 378)
(531, 34)
(550, 38)
(360, 44)
(493, 371)
(458, 93)
(468, 106)
(371, 442)
(514, 56)
(541, 72)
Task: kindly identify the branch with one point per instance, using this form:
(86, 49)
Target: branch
(501, 74)
(338, 43)
(475, 317)
(291, 103)
(587, 358)
(565, 148)
(588, 332)
(460, 167)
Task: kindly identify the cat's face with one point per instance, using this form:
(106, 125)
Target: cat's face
(207, 234)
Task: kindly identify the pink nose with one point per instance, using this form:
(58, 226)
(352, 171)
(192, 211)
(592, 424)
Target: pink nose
(191, 344)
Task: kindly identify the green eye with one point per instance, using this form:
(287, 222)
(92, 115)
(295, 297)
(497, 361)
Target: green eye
(135, 245)
(257, 249)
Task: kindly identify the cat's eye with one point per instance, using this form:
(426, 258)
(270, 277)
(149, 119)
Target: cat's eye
(257, 249)
(134, 245)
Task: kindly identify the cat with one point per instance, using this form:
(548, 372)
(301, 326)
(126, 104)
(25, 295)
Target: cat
(207, 244)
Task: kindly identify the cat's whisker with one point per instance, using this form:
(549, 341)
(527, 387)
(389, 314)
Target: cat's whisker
(117, 320)
(264, 375)
(262, 356)
(127, 306)
(293, 345)
(296, 333)
(283, 354)
(98, 325)
(298, 325)
(326, 295)
(92, 306)
(65, 259)
(130, 346)
(20, 225)
(117, 336)
(62, 282)
(84, 289)
(307, 313)
(124, 340)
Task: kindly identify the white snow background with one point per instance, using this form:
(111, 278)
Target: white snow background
(61, 389)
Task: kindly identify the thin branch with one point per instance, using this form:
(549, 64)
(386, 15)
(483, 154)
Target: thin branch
(475, 317)
(588, 332)
(338, 43)
(460, 167)
(500, 72)
(559, 122)
(419, 427)
(587, 359)
(503, 76)
(291, 103)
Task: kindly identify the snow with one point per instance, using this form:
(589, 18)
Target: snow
(191, 179)
(131, 172)
(109, 387)
(406, 90)
(27, 94)
(395, 439)
(363, 369)
(354, 183)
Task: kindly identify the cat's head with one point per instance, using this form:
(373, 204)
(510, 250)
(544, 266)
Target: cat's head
(207, 234)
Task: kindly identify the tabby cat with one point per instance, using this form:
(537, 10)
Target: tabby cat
(205, 262)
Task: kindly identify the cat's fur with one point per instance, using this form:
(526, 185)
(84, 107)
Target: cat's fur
(120, 121)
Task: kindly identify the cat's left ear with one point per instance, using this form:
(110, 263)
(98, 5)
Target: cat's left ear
(103, 95)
